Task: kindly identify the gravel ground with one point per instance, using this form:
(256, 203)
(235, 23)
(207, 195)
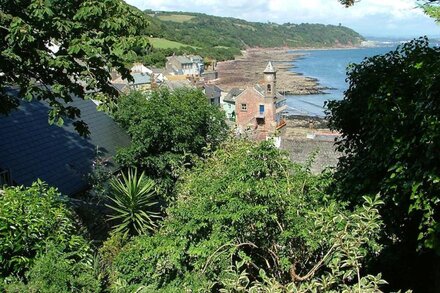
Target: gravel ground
(247, 70)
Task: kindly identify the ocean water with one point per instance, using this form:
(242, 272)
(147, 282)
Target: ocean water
(329, 67)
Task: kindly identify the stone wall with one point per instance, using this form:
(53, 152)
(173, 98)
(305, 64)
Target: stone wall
(300, 148)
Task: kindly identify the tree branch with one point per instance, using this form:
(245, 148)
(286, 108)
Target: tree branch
(295, 277)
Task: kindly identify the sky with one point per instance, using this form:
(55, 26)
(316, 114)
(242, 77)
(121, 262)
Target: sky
(377, 18)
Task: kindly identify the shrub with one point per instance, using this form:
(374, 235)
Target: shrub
(55, 271)
(247, 206)
(29, 219)
(390, 125)
(132, 203)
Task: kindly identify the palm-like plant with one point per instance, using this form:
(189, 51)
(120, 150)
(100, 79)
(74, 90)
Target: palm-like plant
(132, 201)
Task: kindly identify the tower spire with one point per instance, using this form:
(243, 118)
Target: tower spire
(270, 79)
(269, 68)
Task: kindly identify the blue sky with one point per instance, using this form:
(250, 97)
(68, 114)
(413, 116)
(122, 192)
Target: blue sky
(380, 18)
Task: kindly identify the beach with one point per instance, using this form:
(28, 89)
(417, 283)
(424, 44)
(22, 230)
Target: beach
(247, 70)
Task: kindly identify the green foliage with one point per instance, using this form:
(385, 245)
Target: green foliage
(431, 8)
(161, 43)
(111, 248)
(56, 271)
(90, 36)
(390, 120)
(168, 130)
(132, 203)
(206, 31)
(390, 125)
(244, 210)
(29, 219)
(98, 178)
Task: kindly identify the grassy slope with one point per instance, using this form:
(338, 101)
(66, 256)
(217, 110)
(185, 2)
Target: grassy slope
(161, 43)
(205, 31)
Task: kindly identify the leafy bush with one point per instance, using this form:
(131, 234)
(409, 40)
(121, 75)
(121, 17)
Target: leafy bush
(109, 250)
(168, 130)
(29, 219)
(390, 121)
(55, 271)
(132, 203)
(248, 207)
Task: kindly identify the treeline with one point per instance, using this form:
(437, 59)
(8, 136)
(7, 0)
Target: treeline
(212, 31)
(222, 38)
(157, 57)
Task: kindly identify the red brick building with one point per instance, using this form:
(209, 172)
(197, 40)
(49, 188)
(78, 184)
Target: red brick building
(259, 109)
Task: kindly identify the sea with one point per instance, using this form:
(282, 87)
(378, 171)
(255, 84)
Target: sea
(329, 67)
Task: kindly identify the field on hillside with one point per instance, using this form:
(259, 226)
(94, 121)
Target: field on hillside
(161, 43)
(180, 18)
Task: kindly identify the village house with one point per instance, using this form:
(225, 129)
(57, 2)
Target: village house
(141, 68)
(140, 82)
(185, 65)
(228, 103)
(259, 109)
(157, 73)
(173, 82)
(213, 93)
(144, 79)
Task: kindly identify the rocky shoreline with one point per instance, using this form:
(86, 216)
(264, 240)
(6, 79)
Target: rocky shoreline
(247, 70)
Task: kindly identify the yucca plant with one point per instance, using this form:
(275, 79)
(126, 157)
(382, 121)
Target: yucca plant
(132, 203)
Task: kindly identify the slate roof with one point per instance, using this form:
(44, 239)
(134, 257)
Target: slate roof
(31, 148)
(120, 87)
(196, 58)
(183, 59)
(141, 78)
(280, 97)
(212, 91)
(233, 93)
(260, 90)
(177, 84)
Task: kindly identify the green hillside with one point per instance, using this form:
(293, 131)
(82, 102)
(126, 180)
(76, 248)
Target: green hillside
(223, 37)
(203, 30)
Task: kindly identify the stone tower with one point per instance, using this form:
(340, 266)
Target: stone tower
(270, 81)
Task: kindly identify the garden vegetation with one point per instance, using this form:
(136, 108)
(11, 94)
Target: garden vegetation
(195, 209)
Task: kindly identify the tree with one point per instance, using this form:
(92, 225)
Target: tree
(246, 210)
(390, 125)
(430, 7)
(169, 130)
(53, 50)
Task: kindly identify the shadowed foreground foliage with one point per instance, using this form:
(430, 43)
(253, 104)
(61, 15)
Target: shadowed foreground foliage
(247, 216)
(54, 50)
(390, 121)
(37, 229)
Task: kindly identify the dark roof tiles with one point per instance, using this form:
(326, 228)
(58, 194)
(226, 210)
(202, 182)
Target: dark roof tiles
(31, 148)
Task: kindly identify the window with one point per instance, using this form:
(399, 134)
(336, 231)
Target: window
(243, 107)
(261, 109)
(269, 89)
